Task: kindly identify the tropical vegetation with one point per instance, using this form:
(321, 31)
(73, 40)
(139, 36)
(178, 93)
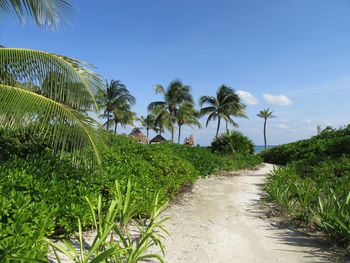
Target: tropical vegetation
(50, 185)
(225, 105)
(42, 194)
(166, 111)
(149, 123)
(232, 142)
(116, 101)
(313, 188)
(265, 114)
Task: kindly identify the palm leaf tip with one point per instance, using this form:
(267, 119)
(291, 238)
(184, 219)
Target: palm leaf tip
(46, 13)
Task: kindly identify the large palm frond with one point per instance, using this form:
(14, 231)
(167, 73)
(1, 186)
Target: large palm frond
(212, 116)
(208, 100)
(46, 13)
(155, 105)
(65, 127)
(207, 110)
(46, 91)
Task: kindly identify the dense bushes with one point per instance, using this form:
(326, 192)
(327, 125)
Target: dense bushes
(42, 194)
(232, 142)
(333, 143)
(314, 187)
(207, 162)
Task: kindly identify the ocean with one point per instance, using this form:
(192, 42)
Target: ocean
(260, 148)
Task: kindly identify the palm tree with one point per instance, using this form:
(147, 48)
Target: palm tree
(225, 105)
(23, 100)
(149, 123)
(123, 115)
(175, 94)
(45, 13)
(265, 114)
(186, 115)
(115, 94)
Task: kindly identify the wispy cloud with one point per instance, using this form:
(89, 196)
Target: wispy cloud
(282, 126)
(340, 84)
(247, 97)
(281, 100)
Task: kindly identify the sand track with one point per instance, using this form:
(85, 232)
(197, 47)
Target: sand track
(220, 221)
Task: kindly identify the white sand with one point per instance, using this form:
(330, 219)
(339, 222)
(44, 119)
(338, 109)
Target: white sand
(220, 221)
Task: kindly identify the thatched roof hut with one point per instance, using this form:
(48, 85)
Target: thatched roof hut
(138, 136)
(158, 139)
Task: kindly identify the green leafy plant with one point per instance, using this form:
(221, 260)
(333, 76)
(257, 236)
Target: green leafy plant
(232, 142)
(319, 198)
(117, 220)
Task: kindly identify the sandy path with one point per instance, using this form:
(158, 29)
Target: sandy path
(219, 221)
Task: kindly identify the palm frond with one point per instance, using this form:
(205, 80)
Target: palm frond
(66, 128)
(50, 91)
(159, 89)
(46, 13)
(207, 99)
(266, 114)
(211, 117)
(156, 104)
(55, 71)
(207, 110)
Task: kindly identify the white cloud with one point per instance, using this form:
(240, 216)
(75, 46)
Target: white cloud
(281, 100)
(282, 126)
(247, 97)
(307, 121)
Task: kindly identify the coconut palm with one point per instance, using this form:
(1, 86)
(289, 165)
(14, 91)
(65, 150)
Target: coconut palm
(162, 119)
(45, 13)
(149, 123)
(175, 94)
(186, 115)
(115, 94)
(265, 114)
(224, 106)
(122, 115)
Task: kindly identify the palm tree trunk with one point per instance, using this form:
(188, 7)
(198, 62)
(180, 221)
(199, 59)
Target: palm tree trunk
(172, 134)
(217, 130)
(226, 126)
(115, 128)
(107, 124)
(265, 133)
(179, 137)
(147, 132)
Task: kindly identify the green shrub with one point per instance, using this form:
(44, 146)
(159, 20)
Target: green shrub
(23, 225)
(331, 144)
(52, 190)
(232, 142)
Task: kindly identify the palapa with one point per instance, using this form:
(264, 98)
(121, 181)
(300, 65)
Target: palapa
(138, 135)
(158, 139)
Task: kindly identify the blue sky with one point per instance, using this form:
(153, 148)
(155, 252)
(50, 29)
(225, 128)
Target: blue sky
(290, 56)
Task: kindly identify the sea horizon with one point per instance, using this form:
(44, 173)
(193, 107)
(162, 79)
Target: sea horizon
(260, 148)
